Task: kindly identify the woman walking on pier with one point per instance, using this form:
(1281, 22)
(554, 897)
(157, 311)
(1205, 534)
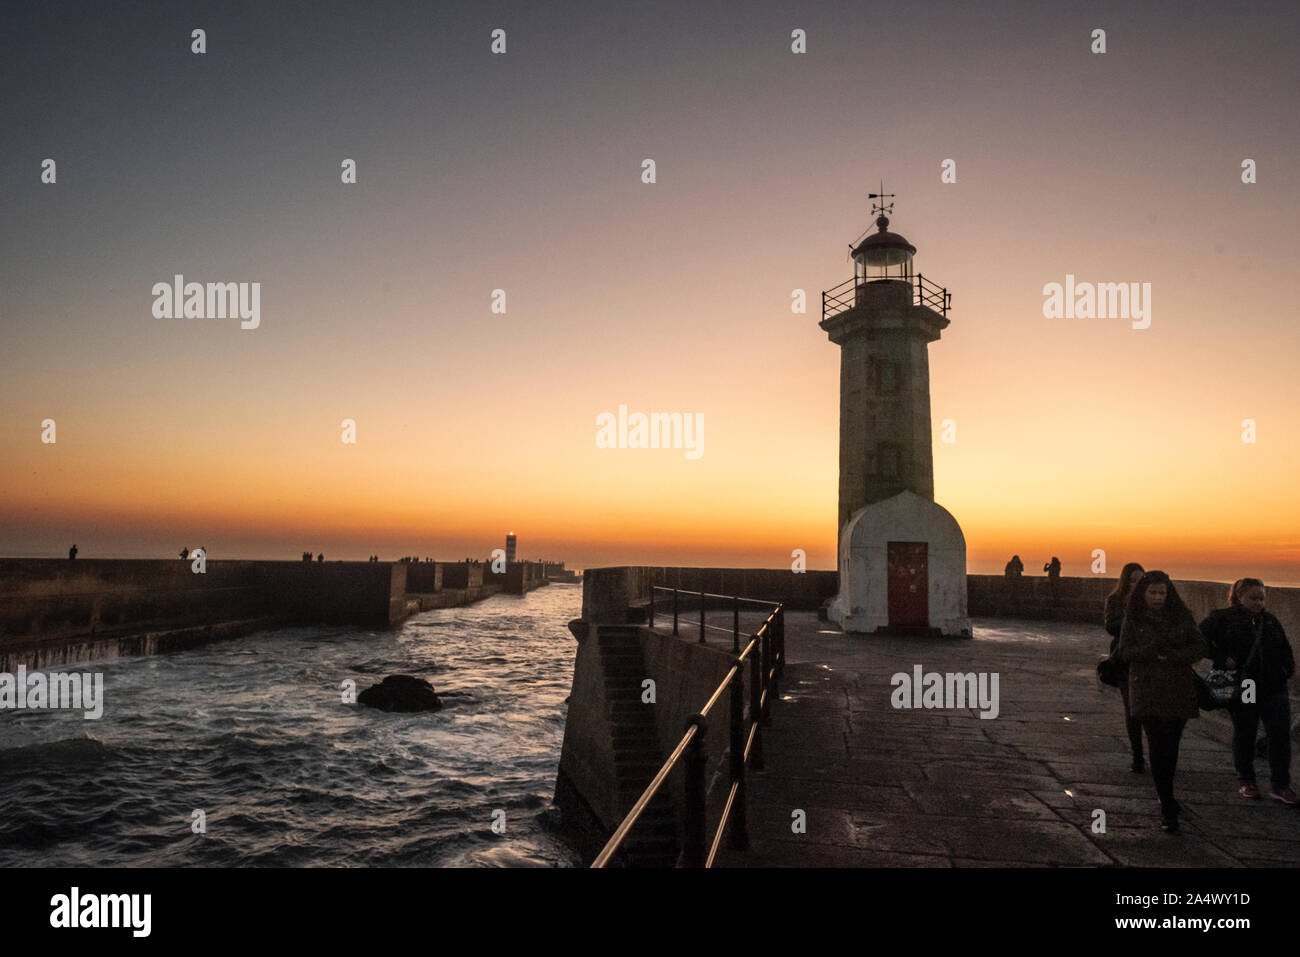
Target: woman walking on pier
(1160, 641)
(1113, 615)
(1247, 638)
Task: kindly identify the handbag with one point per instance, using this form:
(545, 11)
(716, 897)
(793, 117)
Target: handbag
(1110, 672)
(1224, 686)
(1217, 689)
(1221, 688)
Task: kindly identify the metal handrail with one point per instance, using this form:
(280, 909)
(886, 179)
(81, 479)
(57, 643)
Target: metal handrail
(705, 594)
(735, 605)
(616, 839)
(765, 652)
(925, 292)
(717, 692)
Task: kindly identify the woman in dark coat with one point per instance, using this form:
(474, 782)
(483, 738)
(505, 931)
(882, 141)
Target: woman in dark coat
(1244, 636)
(1113, 613)
(1160, 641)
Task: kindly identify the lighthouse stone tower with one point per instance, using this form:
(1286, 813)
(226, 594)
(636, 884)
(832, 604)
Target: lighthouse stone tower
(902, 558)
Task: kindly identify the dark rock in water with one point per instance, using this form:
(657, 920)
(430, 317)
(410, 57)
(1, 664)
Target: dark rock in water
(401, 693)
(550, 819)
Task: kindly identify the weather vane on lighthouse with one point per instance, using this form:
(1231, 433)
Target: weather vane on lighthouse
(881, 207)
(878, 207)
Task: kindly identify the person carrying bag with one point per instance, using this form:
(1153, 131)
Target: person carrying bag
(1111, 670)
(1244, 633)
(1160, 641)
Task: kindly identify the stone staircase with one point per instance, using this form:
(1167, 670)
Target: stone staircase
(654, 840)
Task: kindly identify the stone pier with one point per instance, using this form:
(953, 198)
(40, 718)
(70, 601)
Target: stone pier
(881, 786)
(909, 787)
(57, 611)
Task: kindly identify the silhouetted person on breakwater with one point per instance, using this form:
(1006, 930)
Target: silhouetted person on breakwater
(1053, 569)
(1113, 616)
(1160, 641)
(320, 557)
(185, 553)
(1015, 568)
(72, 553)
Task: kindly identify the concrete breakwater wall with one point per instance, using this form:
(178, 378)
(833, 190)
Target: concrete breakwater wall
(609, 592)
(589, 788)
(50, 654)
(518, 578)
(803, 591)
(988, 596)
(1081, 599)
(425, 577)
(608, 754)
(56, 598)
(55, 611)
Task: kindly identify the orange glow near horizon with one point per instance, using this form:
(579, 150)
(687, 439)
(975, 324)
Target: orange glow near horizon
(590, 506)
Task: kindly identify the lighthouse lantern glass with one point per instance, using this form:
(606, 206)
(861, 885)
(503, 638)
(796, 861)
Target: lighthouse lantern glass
(876, 263)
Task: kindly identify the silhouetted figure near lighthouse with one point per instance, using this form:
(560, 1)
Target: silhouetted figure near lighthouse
(1053, 569)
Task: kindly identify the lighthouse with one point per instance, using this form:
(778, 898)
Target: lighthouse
(902, 557)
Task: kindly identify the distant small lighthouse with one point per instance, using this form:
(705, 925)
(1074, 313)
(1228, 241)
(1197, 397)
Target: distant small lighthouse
(510, 548)
(902, 558)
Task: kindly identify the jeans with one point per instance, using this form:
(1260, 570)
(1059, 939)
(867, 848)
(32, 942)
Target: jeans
(1275, 710)
(1131, 724)
(1163, 738)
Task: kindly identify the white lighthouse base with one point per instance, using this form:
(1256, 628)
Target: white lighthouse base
(902, 570)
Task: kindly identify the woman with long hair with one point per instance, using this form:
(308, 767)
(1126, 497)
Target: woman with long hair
(1160, 641)
(1113, 616)
(1244, 637)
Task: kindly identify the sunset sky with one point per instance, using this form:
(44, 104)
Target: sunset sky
(523, 172)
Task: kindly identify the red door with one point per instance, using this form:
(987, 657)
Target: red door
(909, 584)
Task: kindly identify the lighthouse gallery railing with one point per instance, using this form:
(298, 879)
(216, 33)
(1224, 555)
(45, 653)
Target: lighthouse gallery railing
(924, 293)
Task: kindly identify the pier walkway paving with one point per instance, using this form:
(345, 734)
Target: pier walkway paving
(886, 787)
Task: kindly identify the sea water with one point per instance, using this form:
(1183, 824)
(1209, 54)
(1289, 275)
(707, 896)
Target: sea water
(243, 752)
